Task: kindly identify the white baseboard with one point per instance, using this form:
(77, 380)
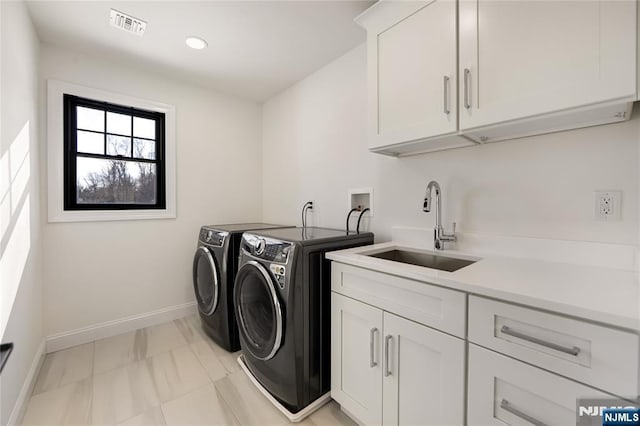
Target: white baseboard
(88, 334)
(17, 414)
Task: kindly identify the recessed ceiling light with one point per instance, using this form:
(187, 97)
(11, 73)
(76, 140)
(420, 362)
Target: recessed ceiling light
(196, 43)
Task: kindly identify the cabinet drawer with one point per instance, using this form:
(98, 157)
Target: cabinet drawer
(427, 304)
(603, 357)
(505, 391)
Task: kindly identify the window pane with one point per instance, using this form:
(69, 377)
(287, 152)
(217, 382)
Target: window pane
(143, 148)
(144, 128)
(91, 143)
(118, 145)
(101, 181)
(146, 182)
(119, 123)
(90, 119)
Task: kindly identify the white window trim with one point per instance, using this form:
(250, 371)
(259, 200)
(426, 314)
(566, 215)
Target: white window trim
(55, 134)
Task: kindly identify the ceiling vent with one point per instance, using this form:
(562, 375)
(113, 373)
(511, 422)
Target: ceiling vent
(127, 23)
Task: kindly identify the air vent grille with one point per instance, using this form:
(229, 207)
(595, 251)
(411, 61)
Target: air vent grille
(127, 23)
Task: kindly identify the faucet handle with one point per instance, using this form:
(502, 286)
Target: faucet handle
(454, 228)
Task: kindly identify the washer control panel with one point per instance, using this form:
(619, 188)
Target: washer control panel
(276, 252)
(266, 248)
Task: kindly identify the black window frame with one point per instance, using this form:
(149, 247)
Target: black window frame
(71, 102)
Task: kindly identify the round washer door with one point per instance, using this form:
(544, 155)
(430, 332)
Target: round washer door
(258, 310)
(206, 280)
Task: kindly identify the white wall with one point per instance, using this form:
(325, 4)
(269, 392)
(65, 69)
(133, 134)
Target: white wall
(20, 226)
(538, 187)
(104, 271)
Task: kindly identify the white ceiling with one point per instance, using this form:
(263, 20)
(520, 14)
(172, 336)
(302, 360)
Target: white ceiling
(256, 48)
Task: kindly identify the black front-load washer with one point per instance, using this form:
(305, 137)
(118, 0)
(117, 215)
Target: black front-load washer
(282, 298)
(214, 269)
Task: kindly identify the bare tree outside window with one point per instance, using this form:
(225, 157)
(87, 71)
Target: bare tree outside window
(116, 181)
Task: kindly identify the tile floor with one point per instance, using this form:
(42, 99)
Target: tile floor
(169, 374)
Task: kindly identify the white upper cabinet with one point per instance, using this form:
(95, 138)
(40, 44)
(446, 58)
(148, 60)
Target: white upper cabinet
(446, 73)
(522, 59)
(412, 73)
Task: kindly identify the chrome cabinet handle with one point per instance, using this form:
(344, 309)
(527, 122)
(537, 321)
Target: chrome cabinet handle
(467, 88)
(372, 334)
(571, 351)
(447, 107)
(506, 406)
(387, 371)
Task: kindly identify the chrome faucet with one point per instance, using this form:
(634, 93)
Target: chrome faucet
(439, 236)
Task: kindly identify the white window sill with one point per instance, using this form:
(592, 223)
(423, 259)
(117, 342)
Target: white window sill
(107, 215)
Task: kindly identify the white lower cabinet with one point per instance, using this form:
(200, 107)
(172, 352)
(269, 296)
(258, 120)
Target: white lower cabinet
(392, 371)
(505, 391)
(423, 375)
(356, 370)
(404, 352)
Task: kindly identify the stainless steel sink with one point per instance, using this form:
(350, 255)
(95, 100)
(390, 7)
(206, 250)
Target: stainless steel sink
(434, 261)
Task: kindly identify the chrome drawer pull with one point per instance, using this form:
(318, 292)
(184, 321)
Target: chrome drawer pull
(372, 334)
(387, 339)
(571, 351)
(506, 406)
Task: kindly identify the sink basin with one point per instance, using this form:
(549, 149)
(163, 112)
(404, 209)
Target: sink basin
(434, 261)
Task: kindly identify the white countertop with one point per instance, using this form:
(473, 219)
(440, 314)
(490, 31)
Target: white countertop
(609, 296)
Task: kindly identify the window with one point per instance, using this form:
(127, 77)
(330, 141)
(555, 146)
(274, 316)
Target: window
(113, 156)
(98, 139)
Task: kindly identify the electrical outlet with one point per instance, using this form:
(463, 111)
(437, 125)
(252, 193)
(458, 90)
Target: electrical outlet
(608, 205)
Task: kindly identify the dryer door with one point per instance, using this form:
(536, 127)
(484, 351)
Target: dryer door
(258, 311)
(206, 280)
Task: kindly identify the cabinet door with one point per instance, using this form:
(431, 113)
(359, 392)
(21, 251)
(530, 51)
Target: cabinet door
(504, 391)
(356, 373)
(412, 71)
(423, 375)
(524, 58)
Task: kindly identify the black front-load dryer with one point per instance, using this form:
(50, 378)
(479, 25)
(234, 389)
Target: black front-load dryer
(282, 298)
(214, 269)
